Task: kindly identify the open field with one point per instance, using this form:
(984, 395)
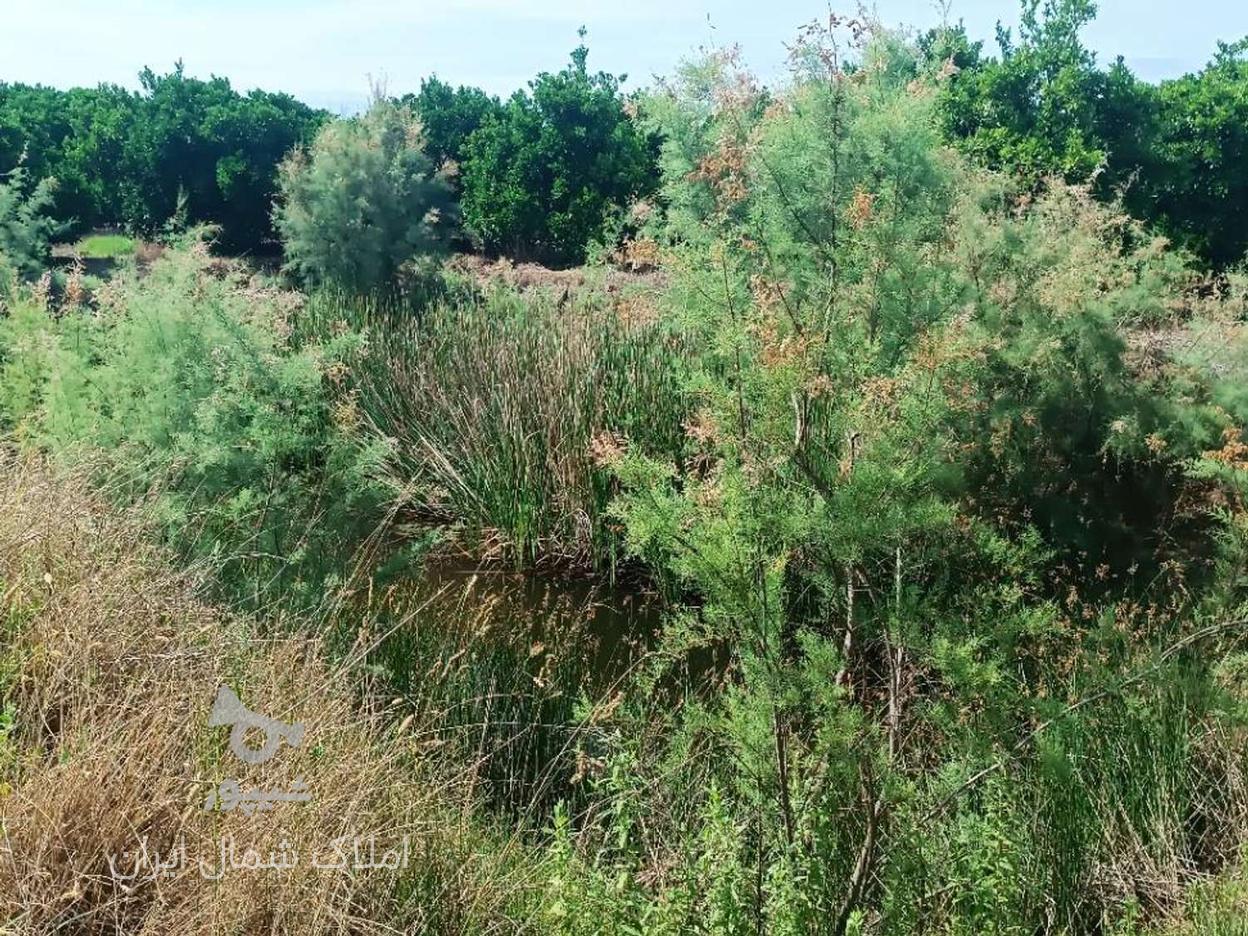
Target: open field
(104, 247)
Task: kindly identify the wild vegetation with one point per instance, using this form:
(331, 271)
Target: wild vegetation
(859, 548)
(541, 178)
(26, 225)
(362, 201)
(180, 149)
(545, 174)
(1170, 151)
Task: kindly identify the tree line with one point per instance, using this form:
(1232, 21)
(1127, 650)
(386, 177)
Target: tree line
(537, 175)
(1176, 152)
(179, 148)
(544, 175)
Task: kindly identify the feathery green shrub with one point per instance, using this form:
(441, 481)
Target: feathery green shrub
(940, 528)
(26, 223)
(363, 200)
(190, 386)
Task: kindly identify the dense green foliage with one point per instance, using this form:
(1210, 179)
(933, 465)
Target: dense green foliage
(1041, 109)
(939, 469)
(448, 116)
(1200, 192)
(362, 200)
(181, 146)
(540, 180)
(196, 388)
(26, 224)
(539, 175)
(946, 535)
(1174, 151)
(542, 174)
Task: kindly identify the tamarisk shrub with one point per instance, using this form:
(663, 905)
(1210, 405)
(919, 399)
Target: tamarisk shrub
(363, 200)
(934, 526)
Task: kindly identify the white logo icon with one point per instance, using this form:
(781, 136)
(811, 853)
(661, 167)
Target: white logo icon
(228, 709)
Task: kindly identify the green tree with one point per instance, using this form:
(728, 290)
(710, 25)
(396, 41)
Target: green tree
(33, 125)
(448, 116)
(540, 179)
(362, 200)
(26, 223)
(92, 169)
(202, 146)
(1175, 152)
(135, 159)
(1035, 109)
(1196, 185)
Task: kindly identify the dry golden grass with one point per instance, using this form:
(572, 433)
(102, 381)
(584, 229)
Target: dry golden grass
(112, 665)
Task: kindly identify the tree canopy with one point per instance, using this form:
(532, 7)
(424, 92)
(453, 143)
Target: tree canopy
(137, 159)
(541, 177)
(1174, 151)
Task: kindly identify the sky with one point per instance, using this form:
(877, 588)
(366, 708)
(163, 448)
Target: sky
(326, 51)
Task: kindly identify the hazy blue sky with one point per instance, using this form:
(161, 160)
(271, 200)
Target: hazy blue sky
(323, 50)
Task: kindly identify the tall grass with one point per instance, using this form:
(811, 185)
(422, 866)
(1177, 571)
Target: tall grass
(111, 663)
(501, 668)
(498, 411)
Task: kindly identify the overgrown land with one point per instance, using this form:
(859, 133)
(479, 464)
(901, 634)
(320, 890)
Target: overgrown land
(844, 530)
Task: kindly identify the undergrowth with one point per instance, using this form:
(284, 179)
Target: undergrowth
(943, 482)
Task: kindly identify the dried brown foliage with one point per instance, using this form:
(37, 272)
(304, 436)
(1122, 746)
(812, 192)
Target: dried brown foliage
(112, 664)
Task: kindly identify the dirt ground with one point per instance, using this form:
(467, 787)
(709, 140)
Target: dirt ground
(529, 276)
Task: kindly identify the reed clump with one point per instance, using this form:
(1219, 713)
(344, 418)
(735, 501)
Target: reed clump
(499, 412)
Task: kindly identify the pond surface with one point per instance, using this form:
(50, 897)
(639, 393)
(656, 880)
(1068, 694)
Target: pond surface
(506, 666)
(602, 627)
